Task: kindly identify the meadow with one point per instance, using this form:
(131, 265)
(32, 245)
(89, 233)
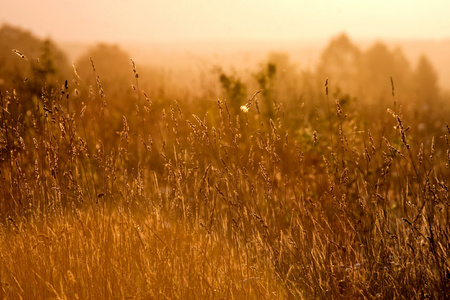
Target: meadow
(272, 184)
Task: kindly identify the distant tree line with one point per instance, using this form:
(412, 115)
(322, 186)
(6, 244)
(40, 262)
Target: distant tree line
(32, 67)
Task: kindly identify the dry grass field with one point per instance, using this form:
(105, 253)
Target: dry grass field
(284, 189)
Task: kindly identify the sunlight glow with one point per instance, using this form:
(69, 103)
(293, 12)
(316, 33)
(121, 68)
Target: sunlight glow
(143, 21)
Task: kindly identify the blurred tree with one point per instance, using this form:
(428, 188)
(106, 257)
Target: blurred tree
(113, 67)
(266, 78)
(427, 98)
(286, 75)
(107, 69)
(235, 90)
(379, 64)
(340, 62)
(46, 67)
(426, 81)
(28, 65)
(279, 79)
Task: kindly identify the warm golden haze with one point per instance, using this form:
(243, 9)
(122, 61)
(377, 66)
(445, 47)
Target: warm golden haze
(198, 20)
(222, 175)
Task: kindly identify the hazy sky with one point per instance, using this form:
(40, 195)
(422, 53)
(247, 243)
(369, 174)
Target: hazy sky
(193, 20)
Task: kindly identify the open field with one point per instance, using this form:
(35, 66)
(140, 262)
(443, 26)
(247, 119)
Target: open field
(272, 184)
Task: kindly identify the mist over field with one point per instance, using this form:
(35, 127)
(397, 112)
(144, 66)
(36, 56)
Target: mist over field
(224, 150)
(245, 54)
